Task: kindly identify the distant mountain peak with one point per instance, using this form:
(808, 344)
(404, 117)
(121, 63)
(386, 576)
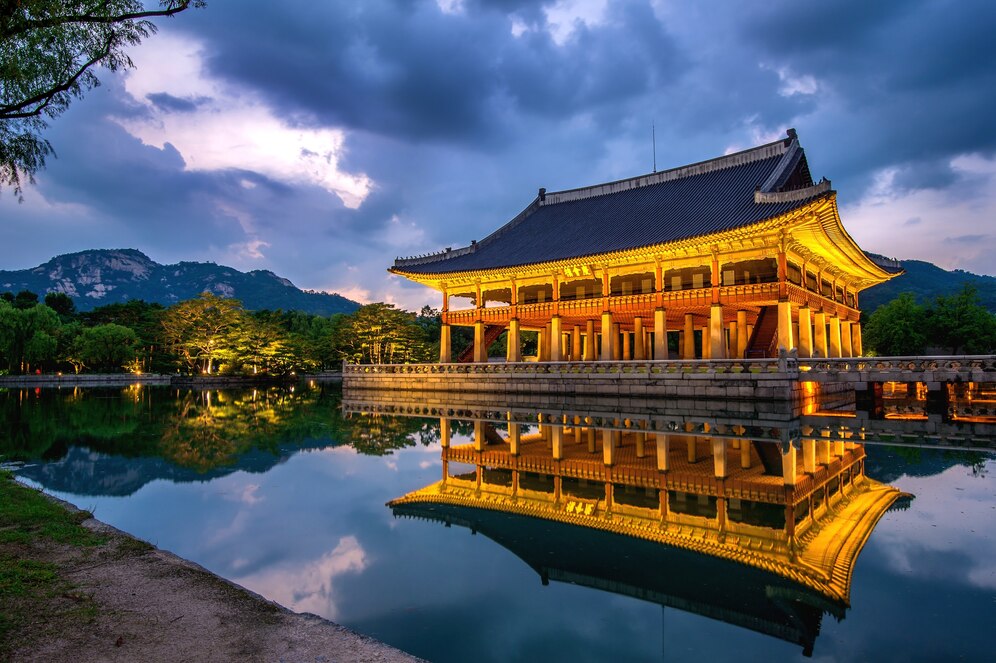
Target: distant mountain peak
(106, 276)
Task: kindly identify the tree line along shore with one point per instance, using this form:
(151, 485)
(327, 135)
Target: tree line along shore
(212, 335)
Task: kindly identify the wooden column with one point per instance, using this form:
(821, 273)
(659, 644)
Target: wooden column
(856, 339)
(576, 343)
(845, 339)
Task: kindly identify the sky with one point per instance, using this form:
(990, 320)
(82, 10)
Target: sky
(321, 140)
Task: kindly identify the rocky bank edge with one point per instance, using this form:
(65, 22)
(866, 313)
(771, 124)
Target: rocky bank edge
(154, 606)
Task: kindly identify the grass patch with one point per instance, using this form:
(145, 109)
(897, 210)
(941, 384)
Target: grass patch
(30, 524)
(26, 515)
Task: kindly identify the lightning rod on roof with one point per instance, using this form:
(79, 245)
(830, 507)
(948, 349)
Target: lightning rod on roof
(653, 133)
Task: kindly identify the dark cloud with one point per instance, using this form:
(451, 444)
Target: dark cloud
(966, 239)
(457, 121)
(169, 103)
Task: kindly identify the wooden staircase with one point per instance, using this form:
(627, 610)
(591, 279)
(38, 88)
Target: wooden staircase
(491, 334)
(763, 340)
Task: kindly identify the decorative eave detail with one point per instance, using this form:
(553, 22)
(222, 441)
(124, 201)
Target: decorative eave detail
(761, 196)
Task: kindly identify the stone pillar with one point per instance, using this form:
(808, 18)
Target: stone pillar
(663, 447)
(589, 341)
(732, 347)
(660, 334)
(445, 351)
(444, 433)
(719, 457)
(556, 338)
(608, 447)
(692, 454)
(513, 351)
(835, 348)
(479, 439)
(688, 345)
(514, 439)
(639, 352)
(845, 339)
(809, 455)
(745, 446)
(576, 343)
(856, 339)
(823, 452)
(785, 340)
(557, 441)
(820, 334)
(590, 435)
(616, 341)
(717, 340)
(805, 333)
(838, 448)
(788, 466)
(641, 443)
(606, 354)
(480, 352)
(627, 348)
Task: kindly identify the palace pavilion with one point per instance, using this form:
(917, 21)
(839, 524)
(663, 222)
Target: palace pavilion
(735, 257)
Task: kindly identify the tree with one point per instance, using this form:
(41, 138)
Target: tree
(961, 324)
(62, 304)
(27, 336)
(198, 329)
(49, 50)
(107, 347)
(897, 328)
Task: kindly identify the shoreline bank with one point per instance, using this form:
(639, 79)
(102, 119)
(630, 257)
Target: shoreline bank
(157, 380)
(124, 600)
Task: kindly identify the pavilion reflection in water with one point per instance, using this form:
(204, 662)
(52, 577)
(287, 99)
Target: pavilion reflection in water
(754, 534)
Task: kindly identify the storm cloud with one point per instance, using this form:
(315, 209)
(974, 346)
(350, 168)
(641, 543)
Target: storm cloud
(321, 140)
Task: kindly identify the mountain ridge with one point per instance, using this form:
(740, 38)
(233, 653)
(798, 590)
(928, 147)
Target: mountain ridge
(97, 277)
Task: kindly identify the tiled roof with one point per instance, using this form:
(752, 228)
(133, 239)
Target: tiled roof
(701, 199)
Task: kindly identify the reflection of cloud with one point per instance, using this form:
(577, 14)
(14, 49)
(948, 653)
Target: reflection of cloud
(245, 494)
(949, 514)
(308, 587)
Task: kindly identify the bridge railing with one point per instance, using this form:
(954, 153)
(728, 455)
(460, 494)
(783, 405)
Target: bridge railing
(900, 369)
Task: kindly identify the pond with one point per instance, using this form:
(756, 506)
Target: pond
(286, 491)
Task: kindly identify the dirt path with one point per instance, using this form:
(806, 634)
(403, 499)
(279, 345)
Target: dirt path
(128, 601)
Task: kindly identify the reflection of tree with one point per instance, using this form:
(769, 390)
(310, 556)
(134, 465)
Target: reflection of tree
(378, 435)
(200, 430)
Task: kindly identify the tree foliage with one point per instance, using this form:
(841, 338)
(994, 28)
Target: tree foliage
(951, 324)
(198, 329)
(959, 323)
(49, 50)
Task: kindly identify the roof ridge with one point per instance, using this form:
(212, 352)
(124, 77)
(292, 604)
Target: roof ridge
(766, 151)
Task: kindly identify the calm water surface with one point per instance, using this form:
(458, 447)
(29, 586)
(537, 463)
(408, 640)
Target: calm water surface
(283, 494)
